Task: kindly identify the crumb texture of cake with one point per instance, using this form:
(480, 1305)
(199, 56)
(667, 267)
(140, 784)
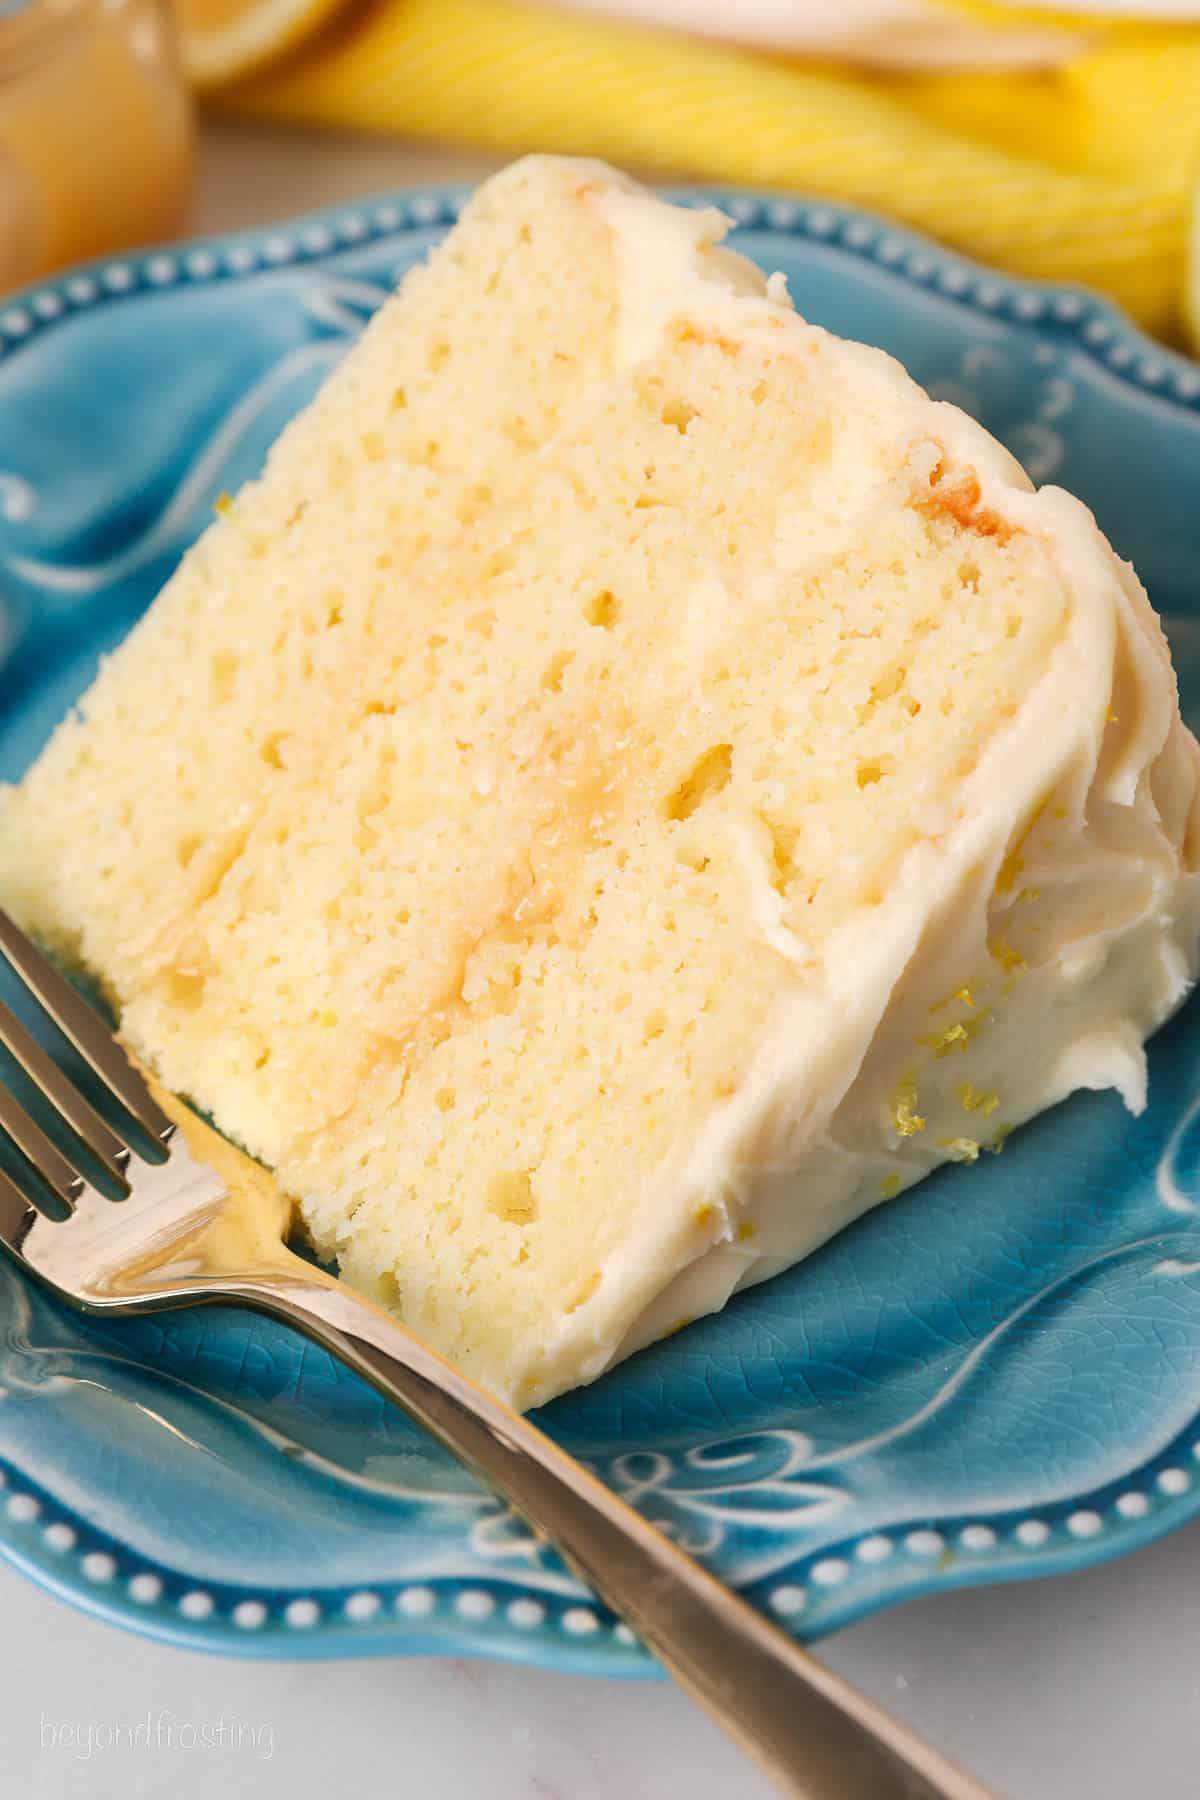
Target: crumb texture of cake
(634, 784)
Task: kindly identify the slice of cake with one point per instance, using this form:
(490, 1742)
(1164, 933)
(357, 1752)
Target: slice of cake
(634, 784)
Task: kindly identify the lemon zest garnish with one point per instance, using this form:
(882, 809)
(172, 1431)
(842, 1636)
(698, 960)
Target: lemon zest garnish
(679, 1325)
(1010, 868)
(962, 1149)
(704, 1214)
(1014, 862)
(905, 1117)
(955, 1037)
(222, 503)
(745, 1231)
(890, 1187)
(1010, 960)
(962, 994)
(998, 1142)
(975, 1099)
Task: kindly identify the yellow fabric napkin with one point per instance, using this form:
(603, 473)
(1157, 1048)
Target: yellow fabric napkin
(1077, 174)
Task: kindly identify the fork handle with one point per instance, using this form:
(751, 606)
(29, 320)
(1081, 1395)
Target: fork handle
(808, 1729)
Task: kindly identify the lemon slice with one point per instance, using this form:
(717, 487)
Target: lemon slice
(221, 40)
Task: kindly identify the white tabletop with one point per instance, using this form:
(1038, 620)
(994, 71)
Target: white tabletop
(1083, 1688)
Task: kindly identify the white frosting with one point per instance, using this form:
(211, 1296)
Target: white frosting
(1096, 761)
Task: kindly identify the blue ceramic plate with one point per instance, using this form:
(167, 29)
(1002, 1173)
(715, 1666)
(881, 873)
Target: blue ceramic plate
(996, 1375)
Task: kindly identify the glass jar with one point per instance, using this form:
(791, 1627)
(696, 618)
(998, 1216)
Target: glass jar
(95, 131)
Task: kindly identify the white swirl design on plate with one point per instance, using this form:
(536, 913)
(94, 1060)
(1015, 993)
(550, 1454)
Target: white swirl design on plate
(1166, 1176)
(17, 498)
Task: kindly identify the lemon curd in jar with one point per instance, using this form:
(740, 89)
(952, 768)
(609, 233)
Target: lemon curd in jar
(95, 131)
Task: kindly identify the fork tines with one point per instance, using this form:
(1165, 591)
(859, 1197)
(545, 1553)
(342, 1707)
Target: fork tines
(86, 1031)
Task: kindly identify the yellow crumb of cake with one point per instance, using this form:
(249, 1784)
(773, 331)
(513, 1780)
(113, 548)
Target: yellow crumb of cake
(745, 1231)
(222, 503)
(704, 1213)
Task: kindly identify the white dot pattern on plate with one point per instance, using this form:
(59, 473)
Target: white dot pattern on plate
(60, 1537)
(241, 259)
(98, 1565)
(1032, 1532)
(1029, 306)
(416, 1602)
(788, 1600)
(16, 322)
(1084, 1523)
(925, 1543)
(1174, 1481)
(474, 1603)
(248, 1615)
(47, 305)
(82, 289)
(526, 1615)
(1133, 1505)
(977, 1537)
(361, 1607)
(874, 1549)
(196, 1605)
(23, 1508)
(161, 270)
(118, 278)
(201, 264)
(278, 250)
(145, 1589)
(301, 1613)
(622, 1633)
(580, 1621)
(831, 1571)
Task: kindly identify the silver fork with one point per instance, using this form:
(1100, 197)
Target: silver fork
(198, 1222)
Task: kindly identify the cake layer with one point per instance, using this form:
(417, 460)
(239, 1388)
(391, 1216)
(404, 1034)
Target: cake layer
(634, 784)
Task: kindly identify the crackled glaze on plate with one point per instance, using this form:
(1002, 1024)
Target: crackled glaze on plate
(996, 1375)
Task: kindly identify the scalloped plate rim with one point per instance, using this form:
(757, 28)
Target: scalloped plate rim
(407, 211)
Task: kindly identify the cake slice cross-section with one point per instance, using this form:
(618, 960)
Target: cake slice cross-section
(633, 785)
